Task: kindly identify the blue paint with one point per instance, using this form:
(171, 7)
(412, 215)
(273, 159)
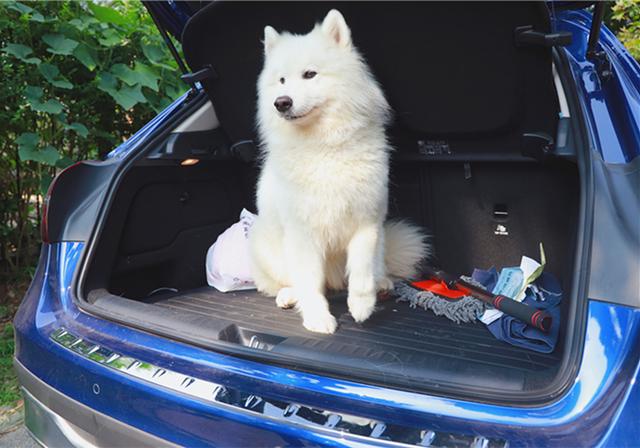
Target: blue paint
(593, 408)
(612, 107)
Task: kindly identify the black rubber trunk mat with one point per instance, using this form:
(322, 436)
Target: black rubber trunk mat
(397, 341)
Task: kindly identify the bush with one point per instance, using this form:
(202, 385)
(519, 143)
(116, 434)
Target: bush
(78, 79)
(625, 22)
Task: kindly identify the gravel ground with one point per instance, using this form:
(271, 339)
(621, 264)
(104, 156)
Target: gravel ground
(19, 438)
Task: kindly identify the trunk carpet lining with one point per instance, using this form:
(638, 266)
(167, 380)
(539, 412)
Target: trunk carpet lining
(396, 340)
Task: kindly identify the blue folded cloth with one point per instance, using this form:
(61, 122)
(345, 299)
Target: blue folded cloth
(545, 293)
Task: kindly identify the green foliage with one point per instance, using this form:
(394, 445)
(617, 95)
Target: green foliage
(625, 21)
(78, 78)
(9, 389)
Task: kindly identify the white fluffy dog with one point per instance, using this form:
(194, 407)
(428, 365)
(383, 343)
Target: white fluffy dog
(322, 193)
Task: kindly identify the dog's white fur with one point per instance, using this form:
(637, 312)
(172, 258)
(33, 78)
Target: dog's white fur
(322, 192)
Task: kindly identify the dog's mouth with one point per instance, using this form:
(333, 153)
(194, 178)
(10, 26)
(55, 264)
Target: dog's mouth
(294, 117)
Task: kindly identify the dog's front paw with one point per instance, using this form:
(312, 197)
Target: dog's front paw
(361, 306)
(285, 298)
(320, 322)
(384, 284)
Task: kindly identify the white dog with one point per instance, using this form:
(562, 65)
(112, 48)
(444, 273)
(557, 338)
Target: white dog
(322, 194)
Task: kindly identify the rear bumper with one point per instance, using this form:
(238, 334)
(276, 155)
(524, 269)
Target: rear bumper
(600, 406)
(55, 420)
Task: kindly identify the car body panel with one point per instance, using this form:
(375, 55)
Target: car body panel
(171, 15)
(583, 415)
(612, 109)
(613, 106)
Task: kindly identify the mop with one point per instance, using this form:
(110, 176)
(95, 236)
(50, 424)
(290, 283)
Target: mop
(462, 299)
(440, 299)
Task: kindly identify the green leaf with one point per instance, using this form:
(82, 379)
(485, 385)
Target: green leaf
(80, 25)
(146, 76)
(86, 56)
(124, 74)
(18, 50)
(34, 16)
(107, 82)
(59, 44)
(49, 71)
(33, 93)
(174, 92)
(27, 154)
(127, 97)
(64, 162)
(28, 140)
(62, 118)
(83, 22)
(21, 52)
(49, 106)
(20, 7)
(110, 38)
(63, 83)
(107, 15)
(45, 181)
(49, 155)
(52, 74)
(153, 53)
(157, 101)
(37, 17)
(78, 128)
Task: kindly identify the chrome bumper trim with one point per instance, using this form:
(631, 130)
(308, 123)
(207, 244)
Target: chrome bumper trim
(56, 420)
(319, 420)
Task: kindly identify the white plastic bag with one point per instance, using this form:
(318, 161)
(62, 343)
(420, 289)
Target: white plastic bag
(228, 267)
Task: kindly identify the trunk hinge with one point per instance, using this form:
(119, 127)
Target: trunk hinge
(598, 57)
(526, 35)
(204, 73)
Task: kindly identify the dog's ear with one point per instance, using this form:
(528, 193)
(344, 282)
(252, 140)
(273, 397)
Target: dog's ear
(270, 38)
(336, 28)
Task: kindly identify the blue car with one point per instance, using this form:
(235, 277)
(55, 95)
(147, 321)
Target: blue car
(515, 124)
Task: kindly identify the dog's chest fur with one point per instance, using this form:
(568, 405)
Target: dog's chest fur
(331, 191)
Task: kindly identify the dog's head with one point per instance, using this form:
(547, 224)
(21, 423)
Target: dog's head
(306, 77)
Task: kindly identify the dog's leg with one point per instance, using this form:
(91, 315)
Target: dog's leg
(362, 265)
(286, 298)
(306, 265)
(383, 282)
(267, 256)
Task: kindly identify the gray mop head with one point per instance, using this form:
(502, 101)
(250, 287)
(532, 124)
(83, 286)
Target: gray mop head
(464, 309)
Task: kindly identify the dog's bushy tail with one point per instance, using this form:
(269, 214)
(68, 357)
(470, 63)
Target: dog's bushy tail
(406, 246)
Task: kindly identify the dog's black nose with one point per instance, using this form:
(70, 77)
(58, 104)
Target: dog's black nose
(283, 103)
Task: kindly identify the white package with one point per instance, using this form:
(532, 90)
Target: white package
(227, 264)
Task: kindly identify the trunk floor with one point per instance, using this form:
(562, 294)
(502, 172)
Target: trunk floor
(412, 344)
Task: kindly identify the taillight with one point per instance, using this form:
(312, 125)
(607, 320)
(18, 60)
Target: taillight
(44, 222)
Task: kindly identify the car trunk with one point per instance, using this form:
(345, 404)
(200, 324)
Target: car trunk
(485, 160)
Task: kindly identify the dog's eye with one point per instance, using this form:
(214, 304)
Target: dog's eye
(309, 74)
(281, 80)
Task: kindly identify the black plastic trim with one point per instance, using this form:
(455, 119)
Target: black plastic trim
(76, 195)
(616, 236)
(576, 327)
(155, 141)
